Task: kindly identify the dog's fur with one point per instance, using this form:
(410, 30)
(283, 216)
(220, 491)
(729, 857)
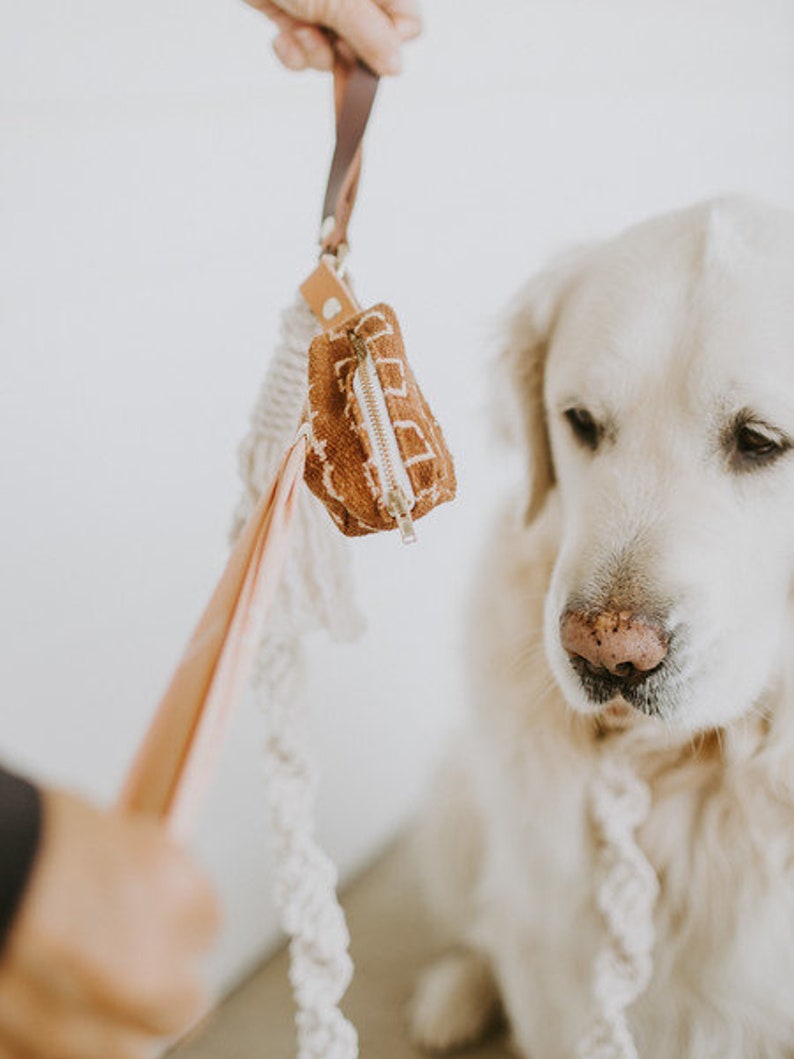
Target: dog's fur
(672, 336)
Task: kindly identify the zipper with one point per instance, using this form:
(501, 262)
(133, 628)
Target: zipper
(398, 494)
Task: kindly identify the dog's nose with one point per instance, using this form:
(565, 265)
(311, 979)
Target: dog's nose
(621, 642)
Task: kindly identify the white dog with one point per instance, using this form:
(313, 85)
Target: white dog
(640, 605)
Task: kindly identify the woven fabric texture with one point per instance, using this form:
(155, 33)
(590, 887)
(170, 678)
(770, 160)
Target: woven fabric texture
(341, 466)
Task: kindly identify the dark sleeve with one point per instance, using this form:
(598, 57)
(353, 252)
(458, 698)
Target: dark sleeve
(20, 828)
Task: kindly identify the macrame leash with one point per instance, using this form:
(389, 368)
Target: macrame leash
(316, 592)
(171, 770)
(626, 897)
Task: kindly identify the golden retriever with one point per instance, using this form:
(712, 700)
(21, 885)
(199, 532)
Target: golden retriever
(637, 603)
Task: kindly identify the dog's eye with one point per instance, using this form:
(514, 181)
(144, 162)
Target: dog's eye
(584, 427)
(755, 445)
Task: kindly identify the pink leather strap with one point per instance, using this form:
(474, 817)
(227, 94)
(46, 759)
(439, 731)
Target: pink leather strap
(174, 764)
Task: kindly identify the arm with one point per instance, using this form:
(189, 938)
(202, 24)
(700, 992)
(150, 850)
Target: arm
(20, 830)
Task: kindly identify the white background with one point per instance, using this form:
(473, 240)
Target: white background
(160, 179)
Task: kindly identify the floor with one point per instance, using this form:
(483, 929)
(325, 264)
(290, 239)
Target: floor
(390, 945)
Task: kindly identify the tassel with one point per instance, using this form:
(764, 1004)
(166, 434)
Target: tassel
(316, 592)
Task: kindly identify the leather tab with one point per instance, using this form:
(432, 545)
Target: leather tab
(327, 295)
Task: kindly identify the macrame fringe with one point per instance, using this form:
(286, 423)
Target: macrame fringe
(626, 897)
(316, 592)
(317, 585)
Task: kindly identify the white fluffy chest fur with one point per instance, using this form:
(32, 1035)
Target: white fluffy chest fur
(723, 979)
(513, 823)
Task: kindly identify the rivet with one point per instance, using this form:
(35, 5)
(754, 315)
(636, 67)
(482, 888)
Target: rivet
(331, 308)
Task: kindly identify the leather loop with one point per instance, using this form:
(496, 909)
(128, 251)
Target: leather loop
(354, 92)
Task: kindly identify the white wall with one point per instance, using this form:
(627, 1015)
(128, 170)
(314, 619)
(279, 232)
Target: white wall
(159, 188)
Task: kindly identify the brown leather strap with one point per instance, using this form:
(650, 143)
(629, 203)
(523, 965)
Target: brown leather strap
(354, 90)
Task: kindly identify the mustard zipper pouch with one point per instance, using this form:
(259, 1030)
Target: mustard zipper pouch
(376, 456)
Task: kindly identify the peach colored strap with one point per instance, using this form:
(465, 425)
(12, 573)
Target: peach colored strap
(173, 766)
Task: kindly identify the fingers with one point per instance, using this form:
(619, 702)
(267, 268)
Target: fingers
(374, 29)
(193, 899)
(87, 1042)
(405, 17)
(9, 1051)
(35, 1027)
(158, 988)
(12, 1046)
(304, 46)
(366, 27)
(163, 1008)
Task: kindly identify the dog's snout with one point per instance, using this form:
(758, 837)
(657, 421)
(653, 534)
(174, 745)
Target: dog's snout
(620, 642)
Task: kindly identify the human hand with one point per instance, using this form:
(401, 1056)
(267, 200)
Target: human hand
(101, 960)
(373, 30)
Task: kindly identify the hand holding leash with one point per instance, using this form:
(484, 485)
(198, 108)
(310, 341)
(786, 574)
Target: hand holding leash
(371, 30)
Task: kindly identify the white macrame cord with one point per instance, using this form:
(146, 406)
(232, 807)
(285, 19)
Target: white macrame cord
(626, 897)
(315, 592)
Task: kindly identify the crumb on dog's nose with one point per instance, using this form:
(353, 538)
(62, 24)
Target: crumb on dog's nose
(619, 641)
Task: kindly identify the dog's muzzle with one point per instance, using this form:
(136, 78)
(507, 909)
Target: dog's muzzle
(614, 651)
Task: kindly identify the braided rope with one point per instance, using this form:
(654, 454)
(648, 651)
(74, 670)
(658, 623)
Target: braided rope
(627, 892)
(315, 592)
(304, 877)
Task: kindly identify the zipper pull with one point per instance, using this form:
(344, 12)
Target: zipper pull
(394, 498)
(397, 506)
(359, 345)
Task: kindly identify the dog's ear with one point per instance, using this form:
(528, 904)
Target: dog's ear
(531, 320)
